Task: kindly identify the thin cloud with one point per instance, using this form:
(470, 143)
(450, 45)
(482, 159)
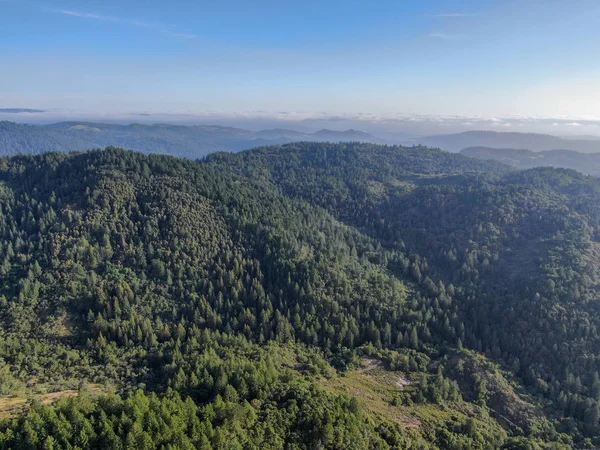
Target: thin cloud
(88, 16)
(163, 29)
(443, 36)
(456, 15)
(183, 35)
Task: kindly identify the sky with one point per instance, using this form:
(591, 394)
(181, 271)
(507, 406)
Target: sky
(297, 58)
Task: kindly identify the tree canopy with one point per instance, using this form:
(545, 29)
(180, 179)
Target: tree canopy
(250, 300)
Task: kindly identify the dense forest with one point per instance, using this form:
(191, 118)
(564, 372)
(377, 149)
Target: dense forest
(304, 296)
(588, 163)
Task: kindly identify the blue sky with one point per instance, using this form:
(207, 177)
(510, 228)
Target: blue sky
(472, 58)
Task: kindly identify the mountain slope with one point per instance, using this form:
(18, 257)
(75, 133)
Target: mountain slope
(302, 296)
(493, 139)
(224, 315)
(588, 163)
(187, 141)
(519, 249)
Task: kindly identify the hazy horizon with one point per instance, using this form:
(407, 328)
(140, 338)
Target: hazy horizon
(397, 126)
(397, 67)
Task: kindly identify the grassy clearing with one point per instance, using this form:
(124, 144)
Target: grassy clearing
(10, 406)
(375, 388)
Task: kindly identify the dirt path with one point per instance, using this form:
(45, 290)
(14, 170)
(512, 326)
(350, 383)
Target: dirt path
(402, 383)
(370, 364)
(12, 405)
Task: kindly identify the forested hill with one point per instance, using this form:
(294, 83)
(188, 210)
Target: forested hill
(494, 139)
(588, 163)
(177, 140)
(305, 296)
(520, 249)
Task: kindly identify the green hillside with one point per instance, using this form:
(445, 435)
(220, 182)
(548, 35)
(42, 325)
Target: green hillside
(296, 297)
(588, 163)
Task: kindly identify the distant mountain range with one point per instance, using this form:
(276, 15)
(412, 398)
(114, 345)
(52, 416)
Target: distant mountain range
(186, 141)
(588, 163)
(519, 150)
(492, 139)
(20, 111)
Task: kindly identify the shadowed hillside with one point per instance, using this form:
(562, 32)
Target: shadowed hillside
(303, 296)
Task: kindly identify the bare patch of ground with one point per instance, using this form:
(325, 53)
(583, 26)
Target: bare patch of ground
(402, 383)
(11, 406)
(369, 364)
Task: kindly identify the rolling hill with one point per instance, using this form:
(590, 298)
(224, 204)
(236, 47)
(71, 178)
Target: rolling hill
(308, 295)
(493, 139)
(177, 140)
(588, 163)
